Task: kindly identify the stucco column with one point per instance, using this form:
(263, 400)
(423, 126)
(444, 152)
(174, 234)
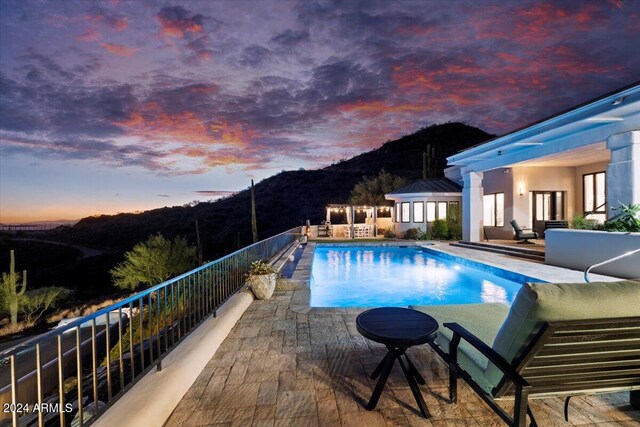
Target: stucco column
(472, 193)
(623, 172)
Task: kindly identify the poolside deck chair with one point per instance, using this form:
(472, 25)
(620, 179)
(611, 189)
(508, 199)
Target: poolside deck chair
(522, 235)
(550, 225)
(324, 230)
(556, 340)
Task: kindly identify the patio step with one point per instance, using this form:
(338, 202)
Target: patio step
(501, 249)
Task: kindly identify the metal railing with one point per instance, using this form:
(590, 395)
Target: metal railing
(607, 261)
(76, 371)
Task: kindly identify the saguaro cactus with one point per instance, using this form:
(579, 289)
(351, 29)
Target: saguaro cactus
(10, 285)
(429, 163)
(198, 244)
(254, 221)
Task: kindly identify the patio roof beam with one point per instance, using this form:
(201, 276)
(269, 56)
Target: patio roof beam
(568, 142)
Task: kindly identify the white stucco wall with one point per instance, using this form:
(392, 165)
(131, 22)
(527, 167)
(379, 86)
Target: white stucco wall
(578, 249)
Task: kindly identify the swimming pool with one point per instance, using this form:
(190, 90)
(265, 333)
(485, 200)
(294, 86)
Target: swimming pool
(376, 276)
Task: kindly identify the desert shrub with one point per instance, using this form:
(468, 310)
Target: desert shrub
(371, 190)
(439, 229)
(153, 323)
(453, 222)
(417, 234)
(626, 221)
(33, 304)
(389, 234)
(581, 223)
(13, 328)
(412, 234)
(455, 231)
(154, 261)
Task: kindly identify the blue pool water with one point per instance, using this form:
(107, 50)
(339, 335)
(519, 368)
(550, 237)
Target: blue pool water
(376, 276)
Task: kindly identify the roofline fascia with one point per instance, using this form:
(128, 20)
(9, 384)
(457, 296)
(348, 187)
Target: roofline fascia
(511, 137)
(392, 196)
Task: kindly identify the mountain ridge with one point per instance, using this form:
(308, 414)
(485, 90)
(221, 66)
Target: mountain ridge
(283, 200)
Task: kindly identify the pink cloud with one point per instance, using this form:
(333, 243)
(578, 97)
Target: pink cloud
(89, 35)
(118, 49)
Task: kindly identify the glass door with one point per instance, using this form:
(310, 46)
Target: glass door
(546, 206)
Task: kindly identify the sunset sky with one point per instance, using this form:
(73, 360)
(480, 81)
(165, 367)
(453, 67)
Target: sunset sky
(120, 106)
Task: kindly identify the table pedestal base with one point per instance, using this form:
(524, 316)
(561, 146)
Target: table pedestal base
(410, 372)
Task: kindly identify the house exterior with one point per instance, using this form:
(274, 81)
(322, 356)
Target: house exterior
(418, 204)
(584, 161)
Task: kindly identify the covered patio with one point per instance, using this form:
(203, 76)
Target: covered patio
(582, 162)
(353, 221)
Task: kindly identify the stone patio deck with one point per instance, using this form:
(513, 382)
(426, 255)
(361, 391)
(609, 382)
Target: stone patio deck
(278, 367)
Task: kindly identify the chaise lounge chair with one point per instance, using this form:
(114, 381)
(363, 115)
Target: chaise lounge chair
(522, 235)
(556, 340)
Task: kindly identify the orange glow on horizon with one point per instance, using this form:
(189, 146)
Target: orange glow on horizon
(76, 211)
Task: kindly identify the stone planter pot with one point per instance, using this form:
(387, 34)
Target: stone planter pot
(262, 285)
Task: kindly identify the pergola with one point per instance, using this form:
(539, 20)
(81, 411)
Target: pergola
(371, 215)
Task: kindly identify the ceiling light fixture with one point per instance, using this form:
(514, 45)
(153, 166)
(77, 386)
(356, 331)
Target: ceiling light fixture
(618, 101)
(604, 119)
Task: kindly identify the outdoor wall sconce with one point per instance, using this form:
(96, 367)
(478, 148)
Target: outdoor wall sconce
(521, 189)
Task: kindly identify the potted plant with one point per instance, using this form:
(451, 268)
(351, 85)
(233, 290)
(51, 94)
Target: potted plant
(262, 279)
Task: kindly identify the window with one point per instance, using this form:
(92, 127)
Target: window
(559, 207)
(405, 211)
(499, 209)
(431, 211)
(493, 209)
(594, 195)
(594, 192)
(418, 212)
(397, 209)
(530, 223)
(442, 210)
(548, 205)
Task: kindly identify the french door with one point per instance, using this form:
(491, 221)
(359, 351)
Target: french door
(546, 206)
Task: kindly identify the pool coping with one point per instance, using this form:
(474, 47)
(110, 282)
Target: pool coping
(302, 275)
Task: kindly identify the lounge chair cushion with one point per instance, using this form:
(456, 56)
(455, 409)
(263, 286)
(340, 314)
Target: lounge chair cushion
(483, 320)
(536, 303)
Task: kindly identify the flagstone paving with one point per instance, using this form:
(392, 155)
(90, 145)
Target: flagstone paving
(281, 368)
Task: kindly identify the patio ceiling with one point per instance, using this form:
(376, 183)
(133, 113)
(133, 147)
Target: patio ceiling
(593, 153)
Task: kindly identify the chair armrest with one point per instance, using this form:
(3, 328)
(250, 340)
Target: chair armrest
(488, 352)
